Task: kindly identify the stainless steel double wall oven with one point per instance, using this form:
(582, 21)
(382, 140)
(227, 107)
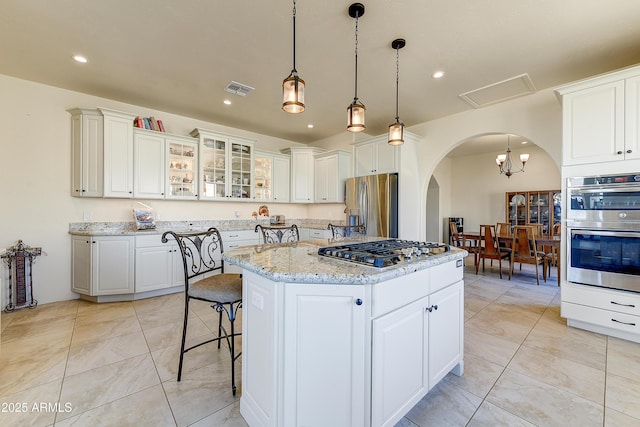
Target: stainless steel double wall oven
(603, 231)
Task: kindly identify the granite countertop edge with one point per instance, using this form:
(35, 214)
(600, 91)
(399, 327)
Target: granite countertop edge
(318, 270)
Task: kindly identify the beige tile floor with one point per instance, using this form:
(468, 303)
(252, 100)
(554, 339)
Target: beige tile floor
(115, 364)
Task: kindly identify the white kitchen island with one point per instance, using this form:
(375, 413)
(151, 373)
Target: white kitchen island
(330, 343)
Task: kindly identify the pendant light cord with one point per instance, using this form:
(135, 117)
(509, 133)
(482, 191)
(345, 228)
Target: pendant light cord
(294, 37)
(397, 81)
(356, 78)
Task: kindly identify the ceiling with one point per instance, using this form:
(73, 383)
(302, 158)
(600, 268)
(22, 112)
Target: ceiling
(177, 56)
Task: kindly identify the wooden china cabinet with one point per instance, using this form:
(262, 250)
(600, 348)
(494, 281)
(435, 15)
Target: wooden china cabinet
(534, 207)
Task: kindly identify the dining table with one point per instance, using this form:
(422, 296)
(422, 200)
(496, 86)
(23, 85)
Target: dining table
(475, 241)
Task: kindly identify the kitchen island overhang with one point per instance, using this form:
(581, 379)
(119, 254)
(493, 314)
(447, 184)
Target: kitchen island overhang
(327, 342)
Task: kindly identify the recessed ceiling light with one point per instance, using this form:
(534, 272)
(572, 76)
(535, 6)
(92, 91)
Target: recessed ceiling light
(310, 125)
(438, 74)
(227, 102)
(80, 58)
(524, 142)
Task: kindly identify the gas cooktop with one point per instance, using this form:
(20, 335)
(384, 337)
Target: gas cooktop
(384, 253)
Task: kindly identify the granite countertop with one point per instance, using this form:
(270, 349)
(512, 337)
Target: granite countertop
(299, 262)
(129, 228)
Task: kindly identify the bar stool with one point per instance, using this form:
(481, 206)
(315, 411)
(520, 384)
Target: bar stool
(202, 254)
(341, 231)
(278, 234)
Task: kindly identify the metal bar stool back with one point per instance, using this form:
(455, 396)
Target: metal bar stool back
(278, 234)
(343, 231)
(205, 280)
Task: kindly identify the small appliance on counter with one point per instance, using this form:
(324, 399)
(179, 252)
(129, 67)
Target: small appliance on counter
(276, 219)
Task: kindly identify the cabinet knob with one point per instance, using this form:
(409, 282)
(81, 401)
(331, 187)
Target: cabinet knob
(619, 152)
(629, 151)
(358, 301)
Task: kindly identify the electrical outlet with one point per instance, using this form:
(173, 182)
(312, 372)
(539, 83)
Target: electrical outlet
(86, 216)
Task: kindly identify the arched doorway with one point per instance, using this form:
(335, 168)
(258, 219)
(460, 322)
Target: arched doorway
(433, 211)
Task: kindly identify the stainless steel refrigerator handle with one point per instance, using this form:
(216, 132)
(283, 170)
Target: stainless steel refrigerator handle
(364, 203)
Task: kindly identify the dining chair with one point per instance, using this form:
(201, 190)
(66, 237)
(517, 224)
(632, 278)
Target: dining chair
(459, 241)
(205, 280)
(489, 248)
(278, 234)
(538, 229)
(525, 250)
(503, 229)
(342, 231)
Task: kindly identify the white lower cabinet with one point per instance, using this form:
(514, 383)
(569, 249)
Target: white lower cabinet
(313, 233)
(348, 355)
(232, 239)
(158, 265)
(325, 352)
(601, 310)
(399, 374)
(414, 347)
(102, 265)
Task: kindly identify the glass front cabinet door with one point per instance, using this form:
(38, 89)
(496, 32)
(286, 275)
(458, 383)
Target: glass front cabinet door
(241, 159)
(226, 166)
(182, 159)
(213, 152)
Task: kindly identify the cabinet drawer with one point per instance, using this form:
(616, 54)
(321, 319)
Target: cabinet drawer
(150, 240)
(617, 301)
(600, 317)
(444, 275)
(395, 293)
(234, 235)
(315, 233)
(233, 244)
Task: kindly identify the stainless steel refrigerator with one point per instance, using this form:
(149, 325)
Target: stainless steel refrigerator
(373, 201)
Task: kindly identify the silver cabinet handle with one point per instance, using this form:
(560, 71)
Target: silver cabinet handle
(623, 305)
(624, 323)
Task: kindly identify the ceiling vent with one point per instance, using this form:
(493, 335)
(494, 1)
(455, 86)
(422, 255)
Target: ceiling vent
(501, 91)
(238, 89)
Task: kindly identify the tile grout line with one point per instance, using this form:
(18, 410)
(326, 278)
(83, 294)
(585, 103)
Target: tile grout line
(484, 399)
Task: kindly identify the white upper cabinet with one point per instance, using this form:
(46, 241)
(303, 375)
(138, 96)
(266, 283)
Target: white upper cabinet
(101, 153)
(302, 173)
(226, 166)
(118, 153)
(331, 170)
(149, 159)
(375, 156)
(87, 142)
(271, 177)
(632, 118)
(601, 119)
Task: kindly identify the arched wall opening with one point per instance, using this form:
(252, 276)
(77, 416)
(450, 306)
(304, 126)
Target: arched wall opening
(476, 189)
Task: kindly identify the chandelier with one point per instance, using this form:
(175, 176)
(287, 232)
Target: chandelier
(504, 161)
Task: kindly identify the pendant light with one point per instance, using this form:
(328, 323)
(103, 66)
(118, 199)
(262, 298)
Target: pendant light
(293, 86)
(396, 129)
(504, 161)
(355, 111)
